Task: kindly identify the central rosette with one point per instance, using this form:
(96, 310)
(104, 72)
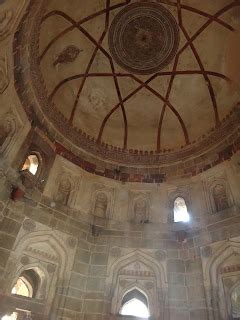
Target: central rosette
(143, 38)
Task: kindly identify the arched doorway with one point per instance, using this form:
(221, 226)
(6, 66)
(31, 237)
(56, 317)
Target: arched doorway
(135, 303)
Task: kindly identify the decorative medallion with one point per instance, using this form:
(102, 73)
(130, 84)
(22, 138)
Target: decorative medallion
(25, 260)
(144, 38)
(206, 252)
(160, 255)
(71, 242)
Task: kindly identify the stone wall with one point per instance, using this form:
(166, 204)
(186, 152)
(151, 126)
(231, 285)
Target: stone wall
(175, 272)
(90, 252)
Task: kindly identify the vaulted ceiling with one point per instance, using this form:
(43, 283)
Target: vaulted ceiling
(165, 109)
(117, 78)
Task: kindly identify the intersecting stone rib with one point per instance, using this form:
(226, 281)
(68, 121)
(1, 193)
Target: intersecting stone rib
(173, 73)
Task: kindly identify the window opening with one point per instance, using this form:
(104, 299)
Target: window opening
(135, 308)
(27, 284)
(180, 210)
(22, 288)
(13, 316)
(31, 164)
(135, 304)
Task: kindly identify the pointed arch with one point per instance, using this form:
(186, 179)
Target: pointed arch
(65, 188)
(137, 270)
(134, 256)
(39, 292)
(8, 129)
(216, 300)
(50, 240)
(138, 298)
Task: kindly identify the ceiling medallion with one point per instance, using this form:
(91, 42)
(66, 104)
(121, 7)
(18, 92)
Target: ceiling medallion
(143, 38)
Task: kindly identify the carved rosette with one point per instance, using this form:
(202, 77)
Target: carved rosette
(206, 252)
(25, 260)
(144, 38)
(160, 255)
(71, 242)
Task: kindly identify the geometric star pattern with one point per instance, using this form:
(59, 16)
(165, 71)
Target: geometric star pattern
(97, 42)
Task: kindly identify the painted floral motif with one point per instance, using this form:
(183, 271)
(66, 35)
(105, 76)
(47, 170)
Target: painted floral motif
(68, 55)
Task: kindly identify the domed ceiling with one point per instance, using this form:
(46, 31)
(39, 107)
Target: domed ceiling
(131, 82)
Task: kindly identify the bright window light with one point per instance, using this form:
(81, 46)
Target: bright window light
(31, 164)
(10, 317)
(135, 308)
(21, 288)
(180, 211)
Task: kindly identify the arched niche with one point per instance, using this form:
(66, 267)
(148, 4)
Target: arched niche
(137, 270)
(102, 203)
(141, 209)
(8, 130)
(65, 189)
(223, 265)
(220, 197)
(218, 194)
(46, 253)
